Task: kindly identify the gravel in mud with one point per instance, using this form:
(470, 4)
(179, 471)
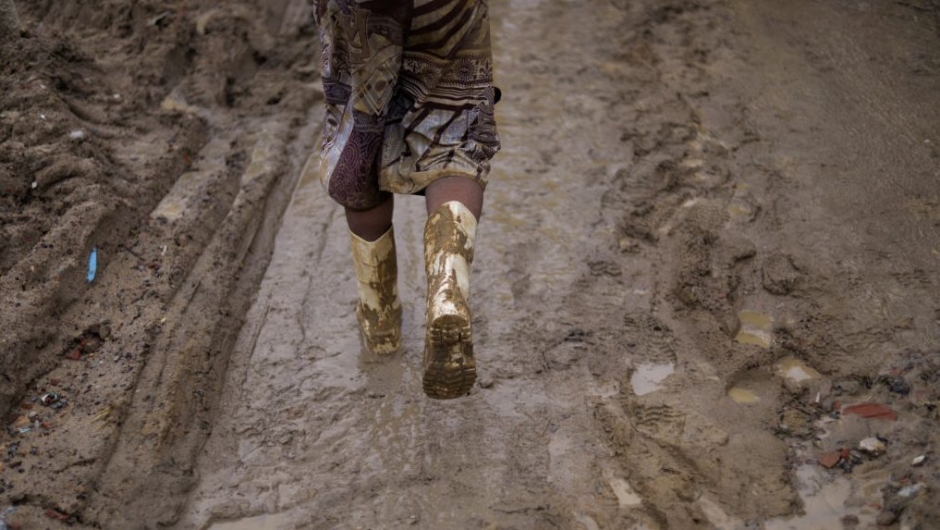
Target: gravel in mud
(705, 289)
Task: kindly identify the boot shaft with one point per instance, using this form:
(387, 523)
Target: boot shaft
(376, 267)
(379, 310)
(449, 236)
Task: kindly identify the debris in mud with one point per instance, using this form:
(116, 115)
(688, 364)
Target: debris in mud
(871, 411)
(52, 513)
(829, 459)
(899, 386)
(872, 446)
(919, 460)
(795, 422)
(92, 264)
(4, 525)
(50, 398)
(908, 492)
(89, 341)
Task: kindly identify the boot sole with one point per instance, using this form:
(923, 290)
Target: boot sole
(449, 368)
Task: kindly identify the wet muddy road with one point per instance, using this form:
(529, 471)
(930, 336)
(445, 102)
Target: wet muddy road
(705, 293)
(661, 193)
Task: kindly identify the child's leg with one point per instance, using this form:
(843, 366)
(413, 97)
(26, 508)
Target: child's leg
(467, 191)
(371, 224)
(361, 45)
(373, 249)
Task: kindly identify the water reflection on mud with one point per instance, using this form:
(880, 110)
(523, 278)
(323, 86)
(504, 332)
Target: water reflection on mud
(827, 502)
(796, 370)
(743, 396)
(756, 328)
(648, 377)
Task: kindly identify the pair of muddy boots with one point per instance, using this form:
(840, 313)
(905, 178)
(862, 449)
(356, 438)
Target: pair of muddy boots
(449, 368)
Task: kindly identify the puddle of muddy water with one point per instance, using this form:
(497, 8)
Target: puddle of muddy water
(796, 370)
(648, 377)
(626, 496)
(742, 395)
(827, 500)
(756, 328)
(260, 522)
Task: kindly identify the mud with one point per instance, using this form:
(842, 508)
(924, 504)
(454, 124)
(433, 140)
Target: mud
(705, 272)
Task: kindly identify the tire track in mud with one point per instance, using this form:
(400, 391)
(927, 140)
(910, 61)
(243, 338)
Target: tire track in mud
(172, 287)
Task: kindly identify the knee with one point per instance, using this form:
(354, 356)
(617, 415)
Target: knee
(356, 195)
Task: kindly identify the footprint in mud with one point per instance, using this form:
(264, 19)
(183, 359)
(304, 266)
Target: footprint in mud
(762, 384)
(675, 427)
(780, 275)
(652, 348)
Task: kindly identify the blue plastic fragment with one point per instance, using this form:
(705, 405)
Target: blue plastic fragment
(6, 513)
(93, 264)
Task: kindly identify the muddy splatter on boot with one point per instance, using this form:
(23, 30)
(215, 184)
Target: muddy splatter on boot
(379, 310)
(449, 368)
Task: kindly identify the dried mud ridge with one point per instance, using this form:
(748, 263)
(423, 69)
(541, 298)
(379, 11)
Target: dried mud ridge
(705, 290)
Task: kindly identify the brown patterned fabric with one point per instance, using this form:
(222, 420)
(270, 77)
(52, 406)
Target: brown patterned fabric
(409, 96)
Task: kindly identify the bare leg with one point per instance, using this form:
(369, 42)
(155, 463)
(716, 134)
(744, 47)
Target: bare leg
(461, 189)
(371, 224)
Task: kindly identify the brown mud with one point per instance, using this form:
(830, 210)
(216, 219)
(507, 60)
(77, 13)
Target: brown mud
(705, 286)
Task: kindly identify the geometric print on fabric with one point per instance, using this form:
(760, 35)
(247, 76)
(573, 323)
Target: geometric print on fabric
(409, 94)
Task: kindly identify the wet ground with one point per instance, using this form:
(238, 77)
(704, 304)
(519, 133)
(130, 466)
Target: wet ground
(704, 294)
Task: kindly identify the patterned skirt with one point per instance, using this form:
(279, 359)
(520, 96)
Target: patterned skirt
(409, 96)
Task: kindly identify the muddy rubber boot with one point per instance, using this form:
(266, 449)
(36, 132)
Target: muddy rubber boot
(449, 368)
(379, 310)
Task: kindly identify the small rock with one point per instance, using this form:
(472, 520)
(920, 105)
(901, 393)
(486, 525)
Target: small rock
(910, 491)
(829, 460)
(900, 386)
(872, 447)
(77, 135)
(919, 460)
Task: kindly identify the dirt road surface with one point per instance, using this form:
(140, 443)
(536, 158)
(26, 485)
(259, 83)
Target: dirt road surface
(706, 291)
